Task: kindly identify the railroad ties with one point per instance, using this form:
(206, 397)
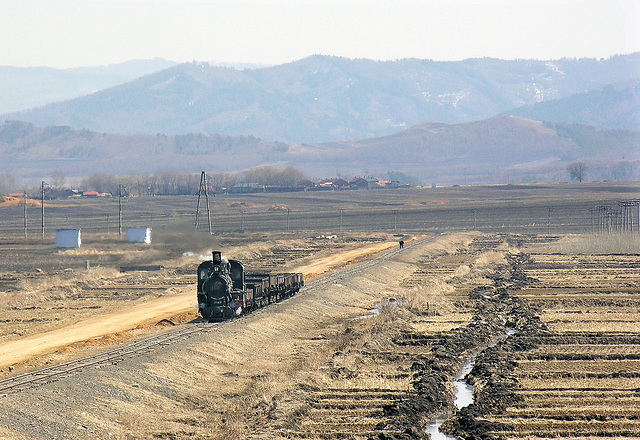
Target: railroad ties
(56, 372)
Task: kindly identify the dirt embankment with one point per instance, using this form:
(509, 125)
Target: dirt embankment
(123, 316)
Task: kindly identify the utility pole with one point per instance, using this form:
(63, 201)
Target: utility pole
(25, 215)
(120, 210)
(42, 209)
(287, 219)
(340, 226)
(201, 188)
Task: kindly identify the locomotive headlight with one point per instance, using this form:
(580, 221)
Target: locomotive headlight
(203, 274)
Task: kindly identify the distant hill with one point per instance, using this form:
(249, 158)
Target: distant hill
(501, 149)
(324, 98)
(23, 88)
(613, 106)
(498, 150)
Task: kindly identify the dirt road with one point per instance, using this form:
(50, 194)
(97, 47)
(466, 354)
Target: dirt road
(181, 301)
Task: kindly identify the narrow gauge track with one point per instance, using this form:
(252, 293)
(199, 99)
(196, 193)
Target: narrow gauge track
(53, 373)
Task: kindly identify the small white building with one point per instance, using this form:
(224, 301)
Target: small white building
(68, 238)
(139, 235)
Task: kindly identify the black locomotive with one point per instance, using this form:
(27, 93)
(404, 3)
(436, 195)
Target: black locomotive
(226, 290)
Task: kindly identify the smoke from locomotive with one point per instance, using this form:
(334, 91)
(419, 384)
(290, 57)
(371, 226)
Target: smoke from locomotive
(226, 290)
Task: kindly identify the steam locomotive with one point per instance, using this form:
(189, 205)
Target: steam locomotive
(226, 290)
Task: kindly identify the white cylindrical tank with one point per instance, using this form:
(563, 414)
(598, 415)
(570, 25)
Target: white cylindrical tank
(139, 235)
(68, 238)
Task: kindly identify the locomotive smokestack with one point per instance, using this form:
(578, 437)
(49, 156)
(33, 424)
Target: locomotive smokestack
(217, 257)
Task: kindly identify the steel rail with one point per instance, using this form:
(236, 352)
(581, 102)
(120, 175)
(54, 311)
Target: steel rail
(32, 379)
(50, 374)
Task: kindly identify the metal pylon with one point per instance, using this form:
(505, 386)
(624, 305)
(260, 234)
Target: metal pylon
(201, 189)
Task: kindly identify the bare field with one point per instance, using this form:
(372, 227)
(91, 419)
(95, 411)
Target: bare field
(581, 374)
(532, 209)
(371, 355)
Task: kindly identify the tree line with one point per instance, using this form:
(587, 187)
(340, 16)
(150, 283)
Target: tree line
(164, 183)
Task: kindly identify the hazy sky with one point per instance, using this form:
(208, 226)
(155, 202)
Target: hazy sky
(72, 33)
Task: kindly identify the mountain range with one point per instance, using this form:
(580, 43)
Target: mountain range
(22, 88)
(473, 121)
(324, 98)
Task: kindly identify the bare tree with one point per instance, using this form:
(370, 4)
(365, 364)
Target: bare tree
(58, 179)
(102, 182)
(577, 171)
(7, 183)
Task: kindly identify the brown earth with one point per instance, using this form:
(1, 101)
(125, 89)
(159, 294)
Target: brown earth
(372, 355)
(267, 367)
(52, 322)
(151, 311)
(313, 366)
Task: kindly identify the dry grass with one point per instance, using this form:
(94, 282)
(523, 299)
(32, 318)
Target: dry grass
(547, 426)
(602, 317)
(55, 286)
(582, 411)
(587, 286)
(509, 436)
(430, 297)
(256, 401)
(598, 244)
(587, 349)
(594, 327)
(579, 367)
(620, 383)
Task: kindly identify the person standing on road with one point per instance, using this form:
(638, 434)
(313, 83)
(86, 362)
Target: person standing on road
(401, 244)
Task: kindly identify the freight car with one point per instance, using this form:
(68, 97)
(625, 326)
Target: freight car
(227, 290)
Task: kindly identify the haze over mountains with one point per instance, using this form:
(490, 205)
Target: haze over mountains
(22, 88)
(308, 114)
(324, 98)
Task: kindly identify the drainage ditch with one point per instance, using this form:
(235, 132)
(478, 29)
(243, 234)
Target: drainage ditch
(489, 385)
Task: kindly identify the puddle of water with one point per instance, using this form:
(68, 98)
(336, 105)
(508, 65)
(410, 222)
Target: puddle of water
(463, 397)
(434, 430)
(375, 312)
(464, 391)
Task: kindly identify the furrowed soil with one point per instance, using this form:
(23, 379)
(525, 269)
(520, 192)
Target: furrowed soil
(550, 321)
(575, 371)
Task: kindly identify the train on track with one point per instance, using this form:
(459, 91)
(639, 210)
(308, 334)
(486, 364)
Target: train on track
(226, 290)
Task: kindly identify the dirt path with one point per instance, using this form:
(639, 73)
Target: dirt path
(152, 311)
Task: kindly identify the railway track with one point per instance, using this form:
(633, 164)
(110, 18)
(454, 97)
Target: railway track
(53, 373)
